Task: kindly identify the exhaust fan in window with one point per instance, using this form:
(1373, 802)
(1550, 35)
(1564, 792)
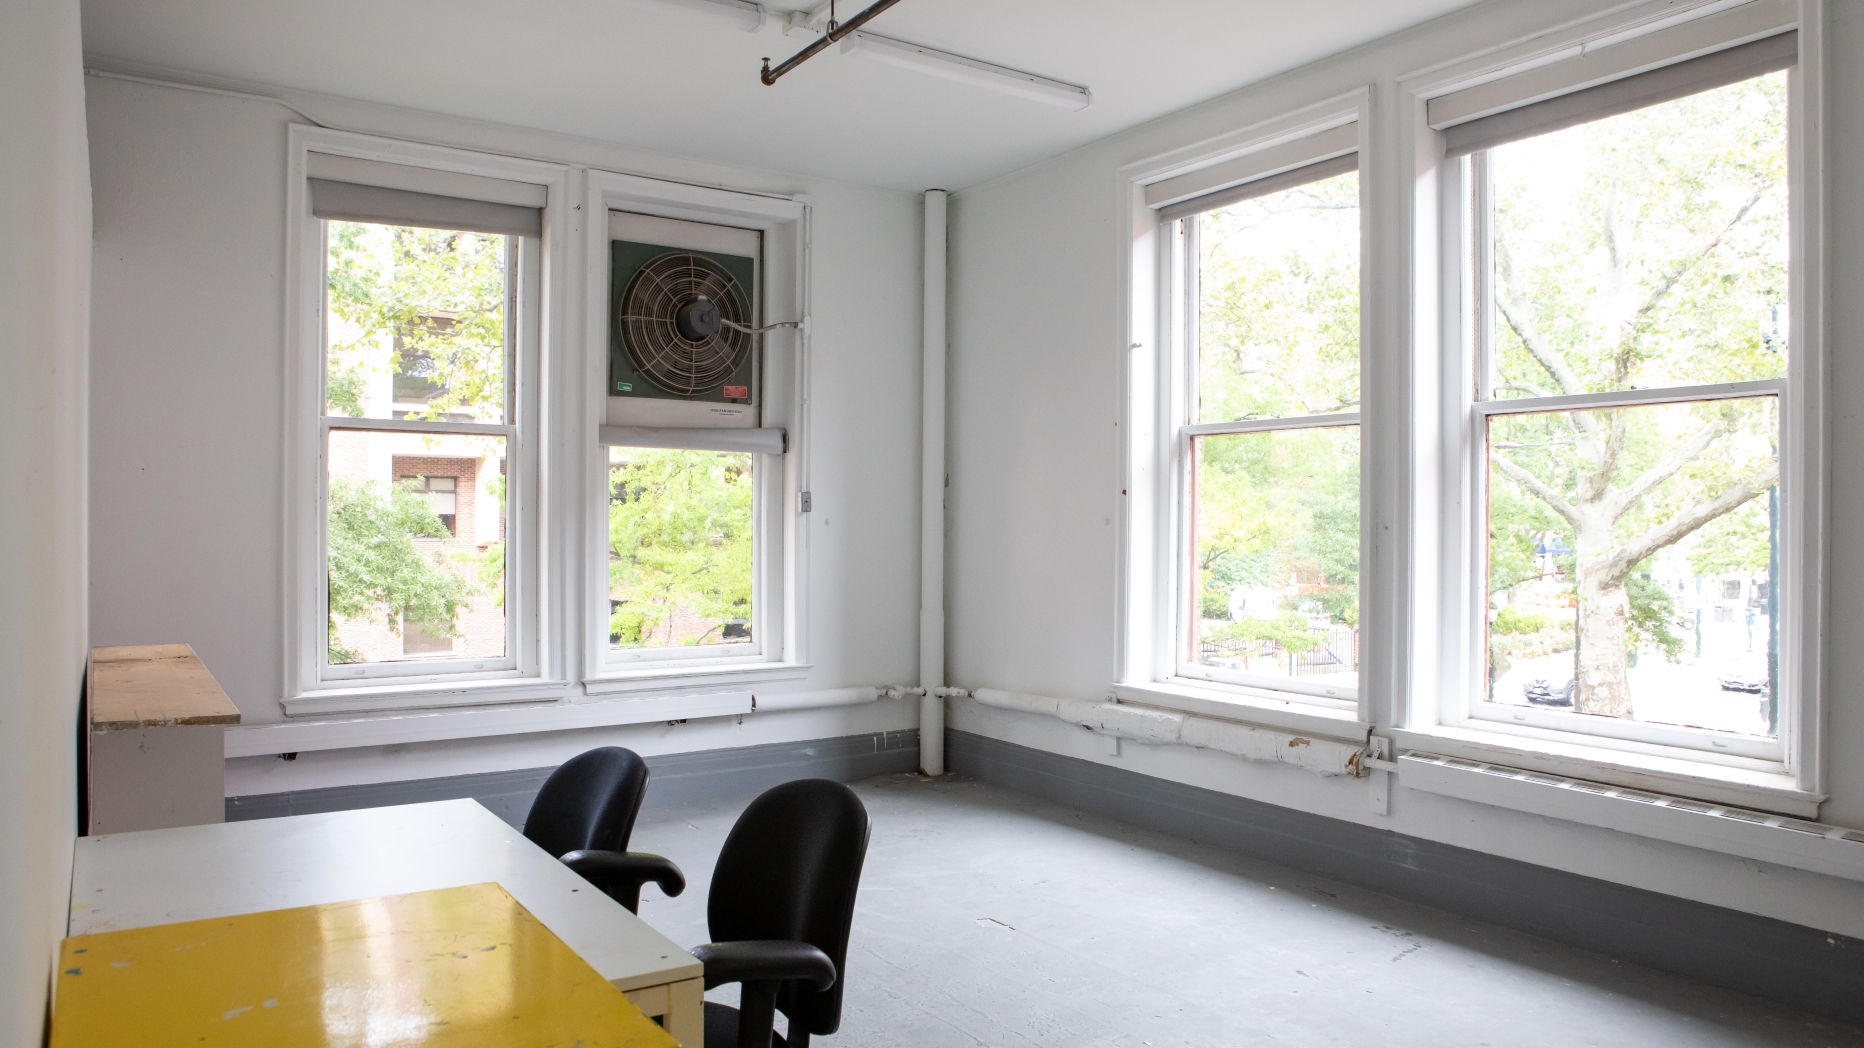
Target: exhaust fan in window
(682, 336)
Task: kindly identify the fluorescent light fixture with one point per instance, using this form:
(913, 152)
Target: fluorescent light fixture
(967, 70)
(748, 16)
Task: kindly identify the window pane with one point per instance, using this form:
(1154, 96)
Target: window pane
(1648, 249)
(1630, 555)
(416, 571)
(679, 538)
(1278, 304)
(414, 323)
(1276, 522)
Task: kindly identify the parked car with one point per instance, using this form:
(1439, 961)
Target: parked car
(1551, 691)
(1752, 681)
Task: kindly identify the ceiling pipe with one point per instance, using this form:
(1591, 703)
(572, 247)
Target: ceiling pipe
(833, 36)
(932, 493)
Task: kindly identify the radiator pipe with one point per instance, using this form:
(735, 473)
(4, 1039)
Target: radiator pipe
(932, 493)
(770, 76)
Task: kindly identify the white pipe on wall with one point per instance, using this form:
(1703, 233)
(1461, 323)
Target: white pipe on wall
(1325, 757)
(809, 700)
(932, 495)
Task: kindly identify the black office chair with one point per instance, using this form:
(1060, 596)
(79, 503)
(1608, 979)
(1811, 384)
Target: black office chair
(584, 816)
(781, 904)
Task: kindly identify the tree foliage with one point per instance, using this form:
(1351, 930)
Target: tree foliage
(376, 566)
(679, 537)
(1278, 335)
(437, 297)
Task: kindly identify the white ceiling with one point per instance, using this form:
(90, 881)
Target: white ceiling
(667, 79)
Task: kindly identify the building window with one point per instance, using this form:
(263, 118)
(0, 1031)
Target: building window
(441, 495)
(1630, 276)
(1267, 566)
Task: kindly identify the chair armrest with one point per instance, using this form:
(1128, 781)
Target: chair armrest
(621, 874)
(764, 960)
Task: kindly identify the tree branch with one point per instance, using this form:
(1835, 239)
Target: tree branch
(1618, 566)
(1538, 489)
(1664, 470)
(1549, 361)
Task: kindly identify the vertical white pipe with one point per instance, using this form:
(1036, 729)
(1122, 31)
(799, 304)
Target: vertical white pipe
(932, 496)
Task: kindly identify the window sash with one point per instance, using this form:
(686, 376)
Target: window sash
(1478, 253)
(521, 291)
(1181, 634)
(767, 470)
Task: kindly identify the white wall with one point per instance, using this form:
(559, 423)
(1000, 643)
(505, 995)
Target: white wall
(186, 436)
(45, 247)
(1037, 353)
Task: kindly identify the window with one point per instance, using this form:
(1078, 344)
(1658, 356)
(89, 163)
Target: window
(691, 559)
(1265, 561)
(414, 544)
(1630, 283)
(441, 495)
(418, 292)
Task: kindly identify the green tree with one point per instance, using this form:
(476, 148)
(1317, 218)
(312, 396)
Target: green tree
(1278, 336)
(679, 536)
(376, 567)
(437, 298)
(1661, 268)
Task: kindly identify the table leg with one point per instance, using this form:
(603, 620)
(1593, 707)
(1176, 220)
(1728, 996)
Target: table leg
(686, 1012)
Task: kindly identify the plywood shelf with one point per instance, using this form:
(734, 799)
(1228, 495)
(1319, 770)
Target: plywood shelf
(154, 685)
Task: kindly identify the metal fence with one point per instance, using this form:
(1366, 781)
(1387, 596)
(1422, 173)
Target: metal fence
(1336, 650)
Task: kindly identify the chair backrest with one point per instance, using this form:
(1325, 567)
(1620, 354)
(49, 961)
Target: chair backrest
(589, 802)
(789, 870)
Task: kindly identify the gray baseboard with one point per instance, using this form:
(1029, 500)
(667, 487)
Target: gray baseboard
(675, 779)
(1814, 970)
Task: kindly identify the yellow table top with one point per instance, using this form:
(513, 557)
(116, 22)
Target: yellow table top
(455, 966)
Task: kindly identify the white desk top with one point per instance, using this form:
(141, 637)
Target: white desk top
(133, 880)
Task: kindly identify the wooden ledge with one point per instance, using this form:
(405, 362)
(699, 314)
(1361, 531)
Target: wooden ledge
(154, 685)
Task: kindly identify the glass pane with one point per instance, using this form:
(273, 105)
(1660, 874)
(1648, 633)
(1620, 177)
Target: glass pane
(1630, 556)
(414, 323)
(1276, 522)
(1648, 249)
(416, 572)
(679, 547)
(1278, 304)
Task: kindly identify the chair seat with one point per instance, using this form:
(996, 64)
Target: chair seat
(721, 1027)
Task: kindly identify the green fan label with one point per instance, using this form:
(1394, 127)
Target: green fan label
(624, 387)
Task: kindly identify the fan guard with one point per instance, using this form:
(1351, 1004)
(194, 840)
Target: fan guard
(684, 320)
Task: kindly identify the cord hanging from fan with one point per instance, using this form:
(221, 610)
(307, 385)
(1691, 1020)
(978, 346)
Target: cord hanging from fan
(834, 35)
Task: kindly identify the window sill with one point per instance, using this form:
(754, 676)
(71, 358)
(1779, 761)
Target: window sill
(665, 677)
(1682, 773)
(381, 696)
(1258, 709)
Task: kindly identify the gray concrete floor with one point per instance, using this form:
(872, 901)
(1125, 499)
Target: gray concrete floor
(987, 917)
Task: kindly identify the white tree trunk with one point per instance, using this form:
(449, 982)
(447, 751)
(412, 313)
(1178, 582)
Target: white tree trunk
(1604, 687)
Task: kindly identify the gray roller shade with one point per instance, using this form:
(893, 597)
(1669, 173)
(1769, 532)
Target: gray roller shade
(757, 441)
(1622, 96)
(353, 202)
(1300, 176)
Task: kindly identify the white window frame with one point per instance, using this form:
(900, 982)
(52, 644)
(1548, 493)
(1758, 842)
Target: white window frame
(780, 535)
(1434, 708)
(310, 685)
(1160, 318)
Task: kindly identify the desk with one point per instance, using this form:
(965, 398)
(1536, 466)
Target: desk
(191, 873)
(448, 968)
